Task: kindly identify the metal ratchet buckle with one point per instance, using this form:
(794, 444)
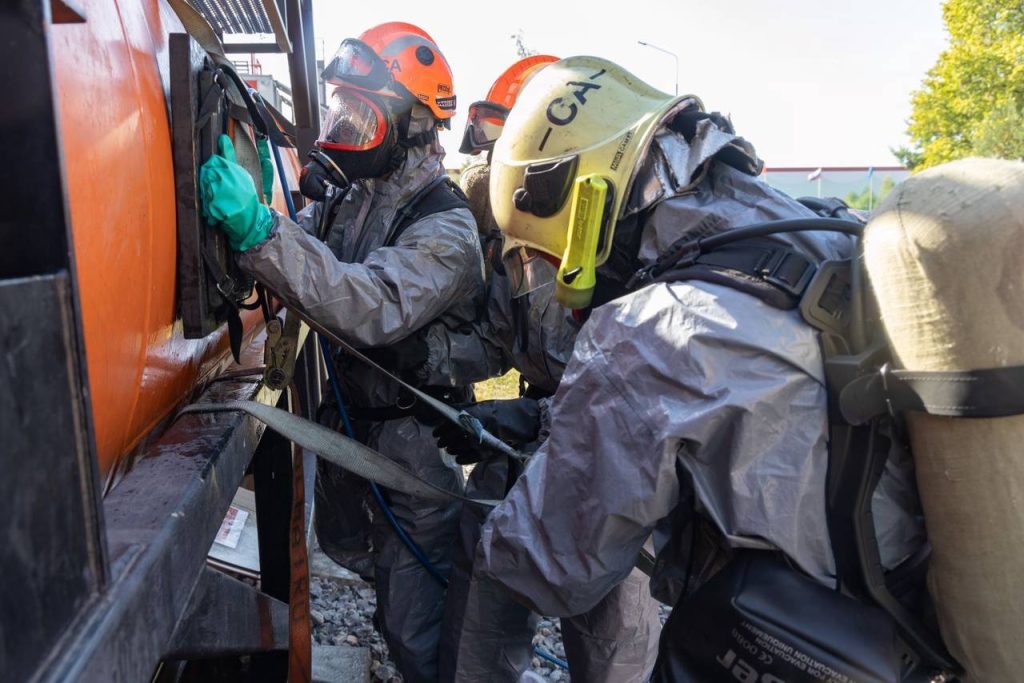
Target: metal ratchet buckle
(770, 271)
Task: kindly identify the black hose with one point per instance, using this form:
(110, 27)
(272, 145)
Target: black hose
(775, 227)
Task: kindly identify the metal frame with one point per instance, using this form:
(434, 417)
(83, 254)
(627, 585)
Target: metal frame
(105, 589)
(277, 23)
(160, 522)
(54, 564)
(302, 67)
(200, 305)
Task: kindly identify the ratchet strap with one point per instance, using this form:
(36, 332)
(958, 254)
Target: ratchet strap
(300, 635)
(281, 350)
(198, 27)
(339, 450)
(989, 392)
(466, 422)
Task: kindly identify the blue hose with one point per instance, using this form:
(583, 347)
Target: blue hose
(335, 385)
(544, 654)
(332, 377)
(284, 181)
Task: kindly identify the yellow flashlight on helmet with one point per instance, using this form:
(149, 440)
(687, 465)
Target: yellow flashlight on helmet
(577, 274)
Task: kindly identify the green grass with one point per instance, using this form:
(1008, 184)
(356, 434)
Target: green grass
(506, 386)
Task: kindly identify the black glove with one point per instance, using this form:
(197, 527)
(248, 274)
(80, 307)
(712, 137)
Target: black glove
(515, 421)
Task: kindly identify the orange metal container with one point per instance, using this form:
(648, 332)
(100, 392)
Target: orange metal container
(112, 88)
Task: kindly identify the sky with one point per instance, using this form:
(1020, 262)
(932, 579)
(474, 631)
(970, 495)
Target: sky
(808, 82)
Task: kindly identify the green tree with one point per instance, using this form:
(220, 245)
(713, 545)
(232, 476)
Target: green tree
(1001, 133)
(867, 199)
(972, 100)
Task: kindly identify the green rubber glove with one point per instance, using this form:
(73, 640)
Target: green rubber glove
(230, 201)
(266, 168)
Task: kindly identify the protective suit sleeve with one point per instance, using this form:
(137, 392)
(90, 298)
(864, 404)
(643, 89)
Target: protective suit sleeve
(473, 352)
(395, 291)
(573, 525)
(309, 217)
(666, 391)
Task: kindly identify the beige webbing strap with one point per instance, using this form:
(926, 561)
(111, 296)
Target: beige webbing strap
(340, 450)
(198, 27)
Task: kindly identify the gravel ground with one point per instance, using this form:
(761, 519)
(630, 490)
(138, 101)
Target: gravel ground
(343, 615)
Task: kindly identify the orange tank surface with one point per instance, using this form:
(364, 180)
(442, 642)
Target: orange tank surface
(112, 81)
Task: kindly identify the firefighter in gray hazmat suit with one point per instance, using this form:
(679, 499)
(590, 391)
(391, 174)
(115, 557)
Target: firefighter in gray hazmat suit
(690, 409)
(374, 280)
(487, 634)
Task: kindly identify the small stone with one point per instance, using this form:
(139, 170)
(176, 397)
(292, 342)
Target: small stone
(317, 617)
(545, 632)
(351, 640)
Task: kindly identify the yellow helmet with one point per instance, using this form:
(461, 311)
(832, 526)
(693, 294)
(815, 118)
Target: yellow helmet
(567, 157)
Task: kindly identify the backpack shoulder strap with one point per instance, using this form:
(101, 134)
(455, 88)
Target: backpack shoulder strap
(773, 272)
(442, 194)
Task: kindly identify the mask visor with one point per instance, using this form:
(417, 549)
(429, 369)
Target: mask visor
(353, 123)
(486, 121)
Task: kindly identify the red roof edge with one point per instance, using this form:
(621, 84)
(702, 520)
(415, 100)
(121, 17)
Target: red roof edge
(826, 169)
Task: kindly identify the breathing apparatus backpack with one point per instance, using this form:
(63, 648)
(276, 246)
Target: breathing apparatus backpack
(759, 620)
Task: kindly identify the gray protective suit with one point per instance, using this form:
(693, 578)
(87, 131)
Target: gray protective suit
(487, 634)
(375, 295)
(684, 402)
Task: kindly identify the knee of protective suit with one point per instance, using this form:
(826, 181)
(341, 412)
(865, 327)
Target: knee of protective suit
(617, 640)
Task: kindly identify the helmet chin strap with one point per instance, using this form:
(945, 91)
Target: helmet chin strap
(407, 142)
(421, 140)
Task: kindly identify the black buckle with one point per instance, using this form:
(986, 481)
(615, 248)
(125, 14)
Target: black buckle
(781, 265)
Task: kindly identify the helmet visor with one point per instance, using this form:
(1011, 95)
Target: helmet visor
(486, 120)
(353, 122)
(357, 64)
(528, 270)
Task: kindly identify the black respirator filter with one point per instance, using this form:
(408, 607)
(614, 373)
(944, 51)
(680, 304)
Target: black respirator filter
(317, 174)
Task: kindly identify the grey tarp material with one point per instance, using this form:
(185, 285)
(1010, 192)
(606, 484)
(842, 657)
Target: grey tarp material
(676, 392)
(487, 634)
(375, 295)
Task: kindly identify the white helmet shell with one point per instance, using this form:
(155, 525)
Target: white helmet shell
(578, 116)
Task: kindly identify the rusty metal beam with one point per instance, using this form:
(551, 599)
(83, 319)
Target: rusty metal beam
(160, 521)
(219, 620)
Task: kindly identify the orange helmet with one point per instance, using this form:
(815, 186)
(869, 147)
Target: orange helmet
(396, 59)
(487, 117)
(510, 82)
